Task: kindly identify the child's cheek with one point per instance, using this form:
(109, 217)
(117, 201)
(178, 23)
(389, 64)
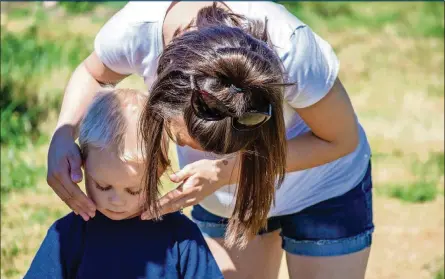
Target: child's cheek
(141, 200)
(92, 193)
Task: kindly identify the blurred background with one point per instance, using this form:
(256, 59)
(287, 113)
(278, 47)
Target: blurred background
(392, 64)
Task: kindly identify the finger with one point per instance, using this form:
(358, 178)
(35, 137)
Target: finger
(186, 202)
(62, 193)
(187, 197)
(75, 164)
(180, 204)
(181, 175)
(85, 217)
(65, 196)
(57, 188)
(78, 210)
(74, 191)
(171, 196)
(165, 202)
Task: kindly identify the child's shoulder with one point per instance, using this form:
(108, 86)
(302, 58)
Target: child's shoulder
(178, 219)
(70, 223)
(178, 222)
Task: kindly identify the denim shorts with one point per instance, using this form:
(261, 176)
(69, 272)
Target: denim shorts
(337, 226)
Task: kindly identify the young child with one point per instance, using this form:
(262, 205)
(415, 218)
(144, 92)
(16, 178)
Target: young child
(116, 243)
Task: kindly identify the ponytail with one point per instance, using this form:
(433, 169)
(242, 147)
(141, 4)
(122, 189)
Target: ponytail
(262, 167)
(155, 146)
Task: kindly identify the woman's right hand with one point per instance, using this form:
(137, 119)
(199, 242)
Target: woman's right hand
(64, 161)
(64, 172)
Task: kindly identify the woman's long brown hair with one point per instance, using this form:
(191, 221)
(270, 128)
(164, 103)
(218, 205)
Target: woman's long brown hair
(223, 49)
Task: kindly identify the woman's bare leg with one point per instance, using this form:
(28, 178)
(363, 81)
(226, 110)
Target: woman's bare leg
(352, 266)
(261, 258)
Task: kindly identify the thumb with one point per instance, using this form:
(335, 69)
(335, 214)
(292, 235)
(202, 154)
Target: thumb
(75, 163)
(181, 175)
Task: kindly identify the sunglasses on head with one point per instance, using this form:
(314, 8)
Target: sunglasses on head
(208, 107)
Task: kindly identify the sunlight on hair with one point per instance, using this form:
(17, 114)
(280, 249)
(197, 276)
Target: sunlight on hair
(111, 122)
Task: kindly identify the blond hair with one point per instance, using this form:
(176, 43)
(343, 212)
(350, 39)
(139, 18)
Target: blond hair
(110, 120)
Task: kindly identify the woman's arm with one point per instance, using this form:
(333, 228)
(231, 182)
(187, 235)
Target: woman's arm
(86, 80)
(334, 131)
(64, 159)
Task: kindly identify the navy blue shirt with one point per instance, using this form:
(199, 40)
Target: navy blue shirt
(102, 248)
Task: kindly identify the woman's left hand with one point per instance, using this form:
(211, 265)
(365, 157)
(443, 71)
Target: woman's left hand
(198, 180)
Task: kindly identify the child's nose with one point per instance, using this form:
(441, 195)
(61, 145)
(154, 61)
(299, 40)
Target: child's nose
(116, 200)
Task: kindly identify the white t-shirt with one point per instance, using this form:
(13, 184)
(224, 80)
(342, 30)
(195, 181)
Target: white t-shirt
(131, 42)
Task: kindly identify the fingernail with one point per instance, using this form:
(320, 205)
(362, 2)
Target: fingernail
(76, 177)
(173, 176)
(144, 217)
(92, 214)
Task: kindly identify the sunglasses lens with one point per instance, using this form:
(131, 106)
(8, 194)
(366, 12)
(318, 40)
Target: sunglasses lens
(251, 119)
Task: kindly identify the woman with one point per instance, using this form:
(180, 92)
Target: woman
(219, 82)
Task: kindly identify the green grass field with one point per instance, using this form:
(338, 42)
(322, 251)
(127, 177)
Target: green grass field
(392, 64)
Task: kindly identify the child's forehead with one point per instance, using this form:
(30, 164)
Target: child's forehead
(106, 166)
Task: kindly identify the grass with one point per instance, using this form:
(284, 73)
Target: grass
(411, 19)
(391, 63)
(437, 267)
(439, 274)
(421, 191)
(42, 53)
(426, 180)
(19, 172)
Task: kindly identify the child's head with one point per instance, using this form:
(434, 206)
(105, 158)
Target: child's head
(109, 144)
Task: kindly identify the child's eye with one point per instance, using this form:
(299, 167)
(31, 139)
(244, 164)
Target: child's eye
(133, 193)
(103, 188)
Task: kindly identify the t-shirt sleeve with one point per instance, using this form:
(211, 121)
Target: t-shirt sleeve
(59, 252)
(196, 260)
(310, 63)
(120, 42)
(47, 262)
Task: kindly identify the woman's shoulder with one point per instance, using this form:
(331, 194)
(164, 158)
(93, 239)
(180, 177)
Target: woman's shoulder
(131, 37)
(274, 12)
(309, 61)
(144, 11)
(281, 23)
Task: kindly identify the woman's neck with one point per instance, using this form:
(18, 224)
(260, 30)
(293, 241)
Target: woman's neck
(180, 14)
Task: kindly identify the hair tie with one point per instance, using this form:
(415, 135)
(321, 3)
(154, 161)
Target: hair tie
(235, 89)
